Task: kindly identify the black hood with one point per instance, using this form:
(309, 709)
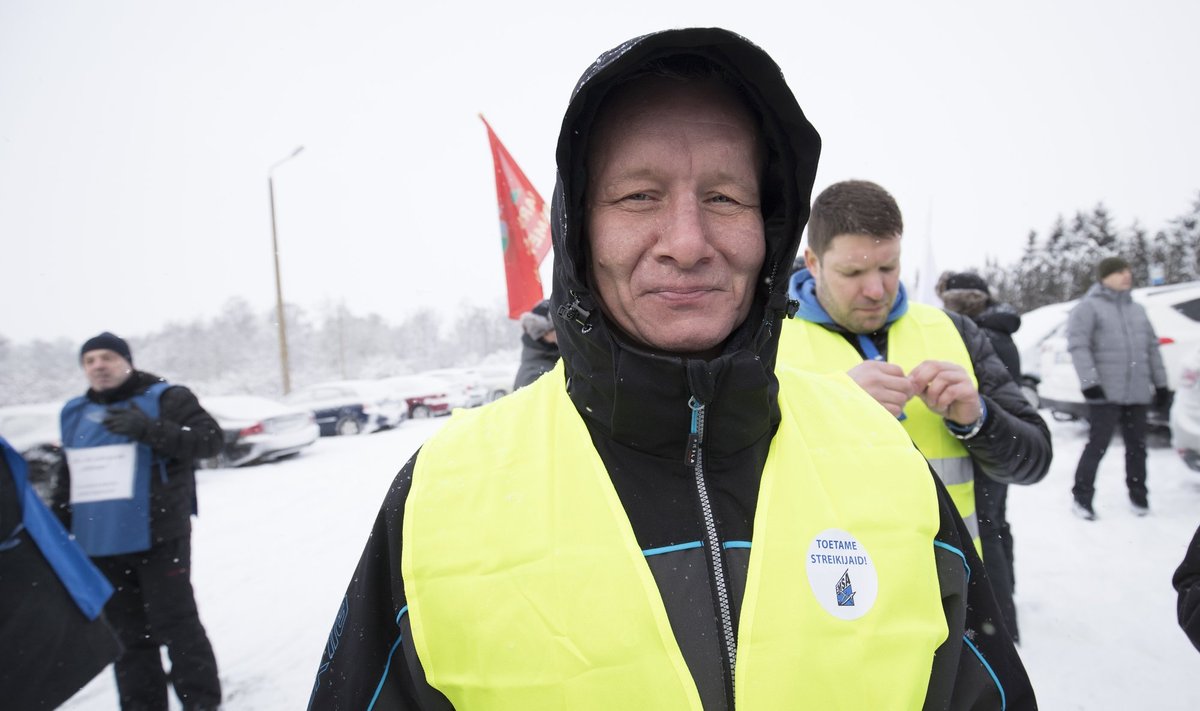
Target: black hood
(600, 367)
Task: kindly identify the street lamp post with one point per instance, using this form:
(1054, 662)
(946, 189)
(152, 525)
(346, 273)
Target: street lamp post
(283, 349)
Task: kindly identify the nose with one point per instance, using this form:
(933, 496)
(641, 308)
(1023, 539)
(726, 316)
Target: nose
(684, 234)
(872, 287)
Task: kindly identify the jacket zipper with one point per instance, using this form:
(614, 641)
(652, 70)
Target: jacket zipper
(695, 459)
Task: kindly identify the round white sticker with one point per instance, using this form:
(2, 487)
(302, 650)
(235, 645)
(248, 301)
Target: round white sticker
(841, 574)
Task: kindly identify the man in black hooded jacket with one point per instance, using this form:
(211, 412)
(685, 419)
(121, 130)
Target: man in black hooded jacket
(967, 293)
(685, 168)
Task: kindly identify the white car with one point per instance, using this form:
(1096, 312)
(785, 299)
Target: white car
(465, 387)
(498, 378)
(1174, 311)
(1185, 413)
(259, 430)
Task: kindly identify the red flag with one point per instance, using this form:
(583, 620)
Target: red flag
(524, 229)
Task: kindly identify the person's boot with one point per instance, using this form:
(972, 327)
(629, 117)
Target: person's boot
(1139, 505)
(1084, 510)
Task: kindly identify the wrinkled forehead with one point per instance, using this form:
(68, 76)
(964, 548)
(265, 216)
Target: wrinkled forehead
(656, 100)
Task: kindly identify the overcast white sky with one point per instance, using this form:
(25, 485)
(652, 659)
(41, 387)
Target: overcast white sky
(136, 136)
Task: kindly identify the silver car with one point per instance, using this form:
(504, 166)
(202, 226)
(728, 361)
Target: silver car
(258, 430)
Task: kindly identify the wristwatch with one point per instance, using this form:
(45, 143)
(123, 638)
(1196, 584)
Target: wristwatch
(972, 429)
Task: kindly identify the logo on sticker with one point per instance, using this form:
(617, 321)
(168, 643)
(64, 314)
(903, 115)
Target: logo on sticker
(845, 591)
(841, 574)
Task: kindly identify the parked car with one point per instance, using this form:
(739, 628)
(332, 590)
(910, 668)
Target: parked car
(424, 396)
(1185, 412)
(349, 407)
(258, 430)
(464, 385)
(498, 378)
(33, 430)
(1174, 312)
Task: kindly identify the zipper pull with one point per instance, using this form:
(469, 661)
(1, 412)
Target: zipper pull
(695, 435)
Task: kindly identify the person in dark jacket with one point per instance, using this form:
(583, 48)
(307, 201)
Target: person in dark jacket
(1115, 353)
(631, 539)
(1187, 583)
(539, 345)
(53, 635)
(131, 442)
(967, 293)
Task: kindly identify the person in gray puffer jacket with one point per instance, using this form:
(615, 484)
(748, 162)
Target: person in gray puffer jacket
(1115, 352)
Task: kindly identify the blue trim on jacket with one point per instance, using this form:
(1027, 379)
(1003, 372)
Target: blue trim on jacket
(803, 288)
(84, 582)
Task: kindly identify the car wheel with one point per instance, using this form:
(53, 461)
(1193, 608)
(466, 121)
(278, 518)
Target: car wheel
(496, 395)
(348, 426)
(420, 412)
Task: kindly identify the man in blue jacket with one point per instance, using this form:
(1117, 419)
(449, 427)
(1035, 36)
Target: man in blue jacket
(130, 443)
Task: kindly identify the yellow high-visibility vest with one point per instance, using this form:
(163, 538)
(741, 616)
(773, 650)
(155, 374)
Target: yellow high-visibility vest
(527, 590)
(923, 333)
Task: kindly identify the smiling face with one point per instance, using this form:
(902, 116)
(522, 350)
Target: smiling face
(857, 279)
(105, 369)
(674, 221)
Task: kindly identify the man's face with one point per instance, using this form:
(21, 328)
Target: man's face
(105, 369)
(673, 215)
(1119, 281)
(857, 280)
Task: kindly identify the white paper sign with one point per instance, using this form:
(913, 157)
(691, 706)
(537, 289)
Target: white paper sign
(102, 473)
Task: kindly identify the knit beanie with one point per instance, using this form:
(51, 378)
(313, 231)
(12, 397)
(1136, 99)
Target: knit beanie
(107, 341)
(1111, 265)
(536, 323)
(964, 280)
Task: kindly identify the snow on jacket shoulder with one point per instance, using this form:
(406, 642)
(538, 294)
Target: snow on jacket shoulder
(1014, 445)
(1113, 345)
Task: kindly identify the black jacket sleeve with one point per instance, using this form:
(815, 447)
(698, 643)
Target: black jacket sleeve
(1187, 584)
(977, 667)
(1014, 445)
(369, 655)
(183, 430)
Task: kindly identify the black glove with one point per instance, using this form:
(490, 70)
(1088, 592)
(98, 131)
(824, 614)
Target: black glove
(1163, 397)
(128, 422)
(1094, 392)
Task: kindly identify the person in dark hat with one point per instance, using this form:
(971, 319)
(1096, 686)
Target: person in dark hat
(667, 519)
(967, 293)
(1115, 352)
(131, 442)
(539, 345)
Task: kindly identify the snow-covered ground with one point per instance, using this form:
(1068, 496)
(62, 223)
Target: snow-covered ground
(275, 546)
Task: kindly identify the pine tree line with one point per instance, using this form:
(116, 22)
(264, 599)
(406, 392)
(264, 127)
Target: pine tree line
(1062, 266)
(237, 351)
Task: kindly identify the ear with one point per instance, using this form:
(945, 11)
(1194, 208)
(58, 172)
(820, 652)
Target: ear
(811, 261)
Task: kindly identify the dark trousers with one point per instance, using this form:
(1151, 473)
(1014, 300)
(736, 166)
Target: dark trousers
(153, 606)
(1103, 418)
(991, 506)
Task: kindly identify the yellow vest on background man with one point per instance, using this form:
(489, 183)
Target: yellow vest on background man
(922, 333)
(527, 589)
